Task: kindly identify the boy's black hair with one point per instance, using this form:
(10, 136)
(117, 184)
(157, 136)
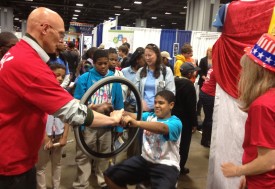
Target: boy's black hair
(5, 37)
(112, 50)
(167, 95)
(55, 65)
(99, 53)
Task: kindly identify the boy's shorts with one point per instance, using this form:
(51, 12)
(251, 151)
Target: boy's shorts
(136, 170)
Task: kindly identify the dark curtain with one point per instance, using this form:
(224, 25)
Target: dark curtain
(99, 34)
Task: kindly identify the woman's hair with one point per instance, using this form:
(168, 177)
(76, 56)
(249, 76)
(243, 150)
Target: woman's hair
(158, 65)
(255, 80)
(209, 48)
(54, 66)
(167, 95)
(135, 56)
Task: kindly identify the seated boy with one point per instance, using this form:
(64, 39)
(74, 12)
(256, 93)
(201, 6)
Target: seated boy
(159, 161)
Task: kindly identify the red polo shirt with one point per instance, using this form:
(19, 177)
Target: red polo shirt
(28, 90)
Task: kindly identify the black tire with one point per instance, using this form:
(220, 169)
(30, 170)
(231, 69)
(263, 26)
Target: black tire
(132, 132)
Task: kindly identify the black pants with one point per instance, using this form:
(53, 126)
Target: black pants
(186, 136)
(208, 107)
(25, 180)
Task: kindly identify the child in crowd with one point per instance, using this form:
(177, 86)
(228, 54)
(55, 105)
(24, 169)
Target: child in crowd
(159, 161)
(257, 96)
(185, 109)
(99, 140)
(56, 132)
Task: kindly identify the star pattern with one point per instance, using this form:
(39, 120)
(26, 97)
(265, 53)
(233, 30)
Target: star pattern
(268, 59)
(263, 56)
(260, 55)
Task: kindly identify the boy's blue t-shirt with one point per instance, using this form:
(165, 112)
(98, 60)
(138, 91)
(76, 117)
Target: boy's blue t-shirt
(174, 124)
(107, 93)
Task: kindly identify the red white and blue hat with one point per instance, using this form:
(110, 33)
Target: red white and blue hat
(263, 52)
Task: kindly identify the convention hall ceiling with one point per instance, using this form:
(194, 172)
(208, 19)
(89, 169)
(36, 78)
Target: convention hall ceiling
(158, 13)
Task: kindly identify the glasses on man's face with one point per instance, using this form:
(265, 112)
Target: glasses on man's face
(61, 33)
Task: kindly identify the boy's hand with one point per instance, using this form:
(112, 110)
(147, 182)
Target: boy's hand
(63, 141)
(47, 143)
(128, 121)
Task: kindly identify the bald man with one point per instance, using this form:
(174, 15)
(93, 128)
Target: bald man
(28, 92)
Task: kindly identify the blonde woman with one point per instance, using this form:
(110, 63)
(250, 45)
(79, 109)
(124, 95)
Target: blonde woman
(257, 96)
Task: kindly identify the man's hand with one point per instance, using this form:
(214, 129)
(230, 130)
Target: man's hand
(117, 115)
(104, 108)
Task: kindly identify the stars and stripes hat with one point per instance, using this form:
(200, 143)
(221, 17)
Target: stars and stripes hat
(263, 52)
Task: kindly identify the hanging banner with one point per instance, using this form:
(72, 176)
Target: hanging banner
(175, 49)
(271, 29)
(77, 27)
(118, 37)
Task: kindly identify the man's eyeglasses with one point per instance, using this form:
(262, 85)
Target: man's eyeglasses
(61, 34)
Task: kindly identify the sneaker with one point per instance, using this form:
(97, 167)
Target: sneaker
(184, 171)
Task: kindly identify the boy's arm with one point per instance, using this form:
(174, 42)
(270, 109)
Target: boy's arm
(154, 127)
(63, 139)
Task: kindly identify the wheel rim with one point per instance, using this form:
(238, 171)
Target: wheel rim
(132, 131)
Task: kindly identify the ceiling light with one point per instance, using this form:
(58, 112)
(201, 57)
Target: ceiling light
(16, 18)
(153, 17)
(79, 4)
(28, 0)
(117, 14)
(162, 25)
(174, 23)
(117, 7)
(137, 2)
(74, 18)
(168, 13)
(126, 9)
(111, 18)
(75, 14)
(77, 10)
(182, 12)
(185, 7)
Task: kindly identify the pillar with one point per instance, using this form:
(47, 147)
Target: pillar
(200, 14)
(6, 19)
